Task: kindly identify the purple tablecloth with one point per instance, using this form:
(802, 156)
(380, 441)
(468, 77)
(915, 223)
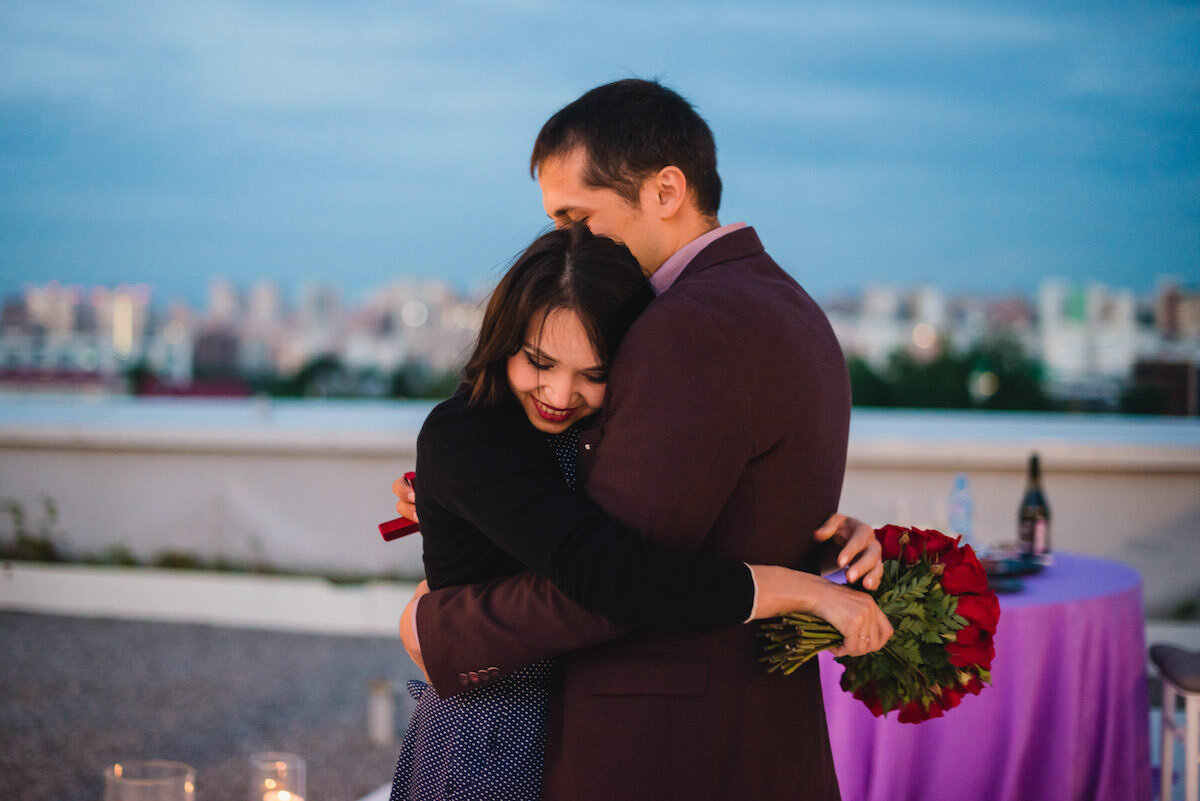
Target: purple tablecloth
(1065, 718)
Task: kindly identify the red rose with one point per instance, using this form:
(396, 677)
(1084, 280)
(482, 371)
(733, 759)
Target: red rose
(951, 696)
(936, 543)
(963, 572)
(889, 540)
(974, 686)
(970, 634)
(867, 694)
(913, 712)
(980, 610)
(968, 655)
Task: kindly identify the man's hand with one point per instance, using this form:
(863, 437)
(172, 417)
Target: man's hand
(863, 625)
(407, 503)
(859, 551)
(408, 628)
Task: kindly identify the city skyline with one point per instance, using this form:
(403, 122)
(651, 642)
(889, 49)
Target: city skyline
(1087, 336)
(976, 149)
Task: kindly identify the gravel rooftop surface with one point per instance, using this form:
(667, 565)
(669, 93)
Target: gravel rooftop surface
(78, 694)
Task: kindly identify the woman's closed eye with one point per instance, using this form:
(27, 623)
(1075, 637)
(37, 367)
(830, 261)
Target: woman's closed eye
(537, 364)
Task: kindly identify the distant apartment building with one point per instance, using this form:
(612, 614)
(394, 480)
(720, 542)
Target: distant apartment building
(1089, 332)
(922, 321)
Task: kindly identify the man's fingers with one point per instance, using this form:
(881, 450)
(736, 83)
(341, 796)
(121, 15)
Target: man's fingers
(867, 554)
(871, 582)
(830, 527)
(860, 539)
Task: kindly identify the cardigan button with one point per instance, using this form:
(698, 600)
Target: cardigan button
(474, 677)
(463, 680)
(494, 672)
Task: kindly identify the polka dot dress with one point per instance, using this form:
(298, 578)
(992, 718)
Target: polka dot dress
(487, 744)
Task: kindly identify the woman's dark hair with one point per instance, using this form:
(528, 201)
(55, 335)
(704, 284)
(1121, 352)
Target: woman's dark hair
(569, 268)
(630, 129)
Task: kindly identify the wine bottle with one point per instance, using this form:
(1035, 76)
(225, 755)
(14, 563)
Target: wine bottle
(1034, 516)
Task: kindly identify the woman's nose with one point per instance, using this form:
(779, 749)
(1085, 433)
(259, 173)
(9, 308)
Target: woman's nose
(558, 392)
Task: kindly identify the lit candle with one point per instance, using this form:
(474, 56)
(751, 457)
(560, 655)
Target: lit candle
(281, 795)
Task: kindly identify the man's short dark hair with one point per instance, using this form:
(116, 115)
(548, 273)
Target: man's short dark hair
(631, 129)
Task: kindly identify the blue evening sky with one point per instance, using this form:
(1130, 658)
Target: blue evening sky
(976, 146)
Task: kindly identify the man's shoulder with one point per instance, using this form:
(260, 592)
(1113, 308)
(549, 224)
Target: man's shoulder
(731, 286)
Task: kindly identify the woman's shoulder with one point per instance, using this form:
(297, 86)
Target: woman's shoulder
(456, 427)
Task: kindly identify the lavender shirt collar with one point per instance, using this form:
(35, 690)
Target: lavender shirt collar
(667, 274)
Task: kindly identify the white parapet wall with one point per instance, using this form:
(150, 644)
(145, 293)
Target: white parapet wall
(293, 485)
(280, 603)
(303, 485)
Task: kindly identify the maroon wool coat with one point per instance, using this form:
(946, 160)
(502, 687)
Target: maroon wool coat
(724, 431)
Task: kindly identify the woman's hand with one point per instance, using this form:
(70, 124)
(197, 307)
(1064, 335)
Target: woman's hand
(408, 628)
(860, 550)
(407, 503)
(863, 625)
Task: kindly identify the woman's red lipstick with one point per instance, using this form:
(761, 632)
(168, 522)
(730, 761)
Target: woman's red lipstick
(550, 414)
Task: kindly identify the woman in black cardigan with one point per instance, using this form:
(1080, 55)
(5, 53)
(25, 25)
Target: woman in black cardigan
(535, 378)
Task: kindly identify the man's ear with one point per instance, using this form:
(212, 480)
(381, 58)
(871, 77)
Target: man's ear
(670, 190)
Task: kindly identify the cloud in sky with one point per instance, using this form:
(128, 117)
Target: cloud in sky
(974, 147)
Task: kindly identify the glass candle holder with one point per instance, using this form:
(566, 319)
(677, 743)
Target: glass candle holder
(149, 780)
(277, 777)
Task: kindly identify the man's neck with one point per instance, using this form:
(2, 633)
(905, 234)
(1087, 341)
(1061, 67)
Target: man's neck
(687, 231)
(669, 271)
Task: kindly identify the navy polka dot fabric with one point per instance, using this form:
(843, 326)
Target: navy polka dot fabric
(487, 744)
(566, 448)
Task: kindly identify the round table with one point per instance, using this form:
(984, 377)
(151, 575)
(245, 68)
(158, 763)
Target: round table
(1066, 716)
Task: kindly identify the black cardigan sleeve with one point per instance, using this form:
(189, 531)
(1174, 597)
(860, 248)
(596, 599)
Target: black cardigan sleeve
(492, 469)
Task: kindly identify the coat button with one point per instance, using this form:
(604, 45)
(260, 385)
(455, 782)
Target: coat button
(494, 672)
(463, 680)
(474, 677)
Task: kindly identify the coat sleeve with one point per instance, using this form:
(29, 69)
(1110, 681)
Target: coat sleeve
(669, 458)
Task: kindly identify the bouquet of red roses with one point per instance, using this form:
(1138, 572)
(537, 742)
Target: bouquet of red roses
(936, 595)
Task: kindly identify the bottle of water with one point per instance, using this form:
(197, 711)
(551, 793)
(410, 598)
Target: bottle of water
(960, 509)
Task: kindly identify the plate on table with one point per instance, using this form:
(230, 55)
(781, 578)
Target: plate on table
(1011, 563)
(1004, 585)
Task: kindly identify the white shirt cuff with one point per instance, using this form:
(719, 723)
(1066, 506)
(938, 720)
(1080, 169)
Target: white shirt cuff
(417, 630)
(754, 604)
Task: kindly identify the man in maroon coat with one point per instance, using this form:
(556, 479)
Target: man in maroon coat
(724, 430)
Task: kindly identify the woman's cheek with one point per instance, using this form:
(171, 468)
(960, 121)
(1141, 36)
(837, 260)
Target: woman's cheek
(595, 396)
